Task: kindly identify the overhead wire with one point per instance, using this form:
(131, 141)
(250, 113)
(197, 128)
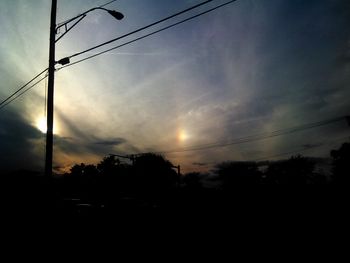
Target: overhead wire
(23, 92)
(110, 2)
(13, 96)
(304, 149)
(256, 137)
(296, 151)
(141, 29)
(214, 145)
(142, 37)
(9, 99)
(275, 133)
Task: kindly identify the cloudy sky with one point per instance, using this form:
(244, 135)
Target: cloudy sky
(250, 67)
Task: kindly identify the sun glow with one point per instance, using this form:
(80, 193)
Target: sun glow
(40, 124)
(182, 136)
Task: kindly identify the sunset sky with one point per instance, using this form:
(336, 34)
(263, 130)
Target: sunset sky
(247, 68)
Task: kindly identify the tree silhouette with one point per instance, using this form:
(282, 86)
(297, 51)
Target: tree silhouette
(115, 179)
(296, 170)
(109, 165)
(90, 171)
(238, 173)
(153, 175)
(77, 170)
(341, 160)
(83, 170)
(192, 181)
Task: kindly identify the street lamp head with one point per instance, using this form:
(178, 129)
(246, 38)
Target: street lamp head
(117, 15)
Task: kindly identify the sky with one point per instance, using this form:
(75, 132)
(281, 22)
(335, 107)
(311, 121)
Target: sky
(247, 68)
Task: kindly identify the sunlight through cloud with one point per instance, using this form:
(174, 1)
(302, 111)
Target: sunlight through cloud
(40, 124)
(182, 136)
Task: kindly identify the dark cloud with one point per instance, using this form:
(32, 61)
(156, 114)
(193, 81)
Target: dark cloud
(89, 145)
(200, 164)
(76, 130)
(113, 142)
(81, 142)
(21, 145)
(310, 146)
(68, 145)
(343, 59)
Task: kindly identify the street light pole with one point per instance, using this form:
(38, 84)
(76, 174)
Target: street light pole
(50, 92)
(50, 88)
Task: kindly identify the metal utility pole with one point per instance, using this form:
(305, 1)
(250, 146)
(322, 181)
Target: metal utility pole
(50, 92)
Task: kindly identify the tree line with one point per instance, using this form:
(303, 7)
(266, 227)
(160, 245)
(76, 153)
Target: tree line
(151, 183)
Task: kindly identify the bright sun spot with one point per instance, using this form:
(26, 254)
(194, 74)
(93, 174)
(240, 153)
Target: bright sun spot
(41, 125)
(182, 136)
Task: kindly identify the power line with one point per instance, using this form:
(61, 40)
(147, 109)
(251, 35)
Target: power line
(9, 100)
(13, 96)
(139, 38)
(256, 137)
(277, 132)
(108, 3)
(141, 29)
(20, 94)
(300, 150)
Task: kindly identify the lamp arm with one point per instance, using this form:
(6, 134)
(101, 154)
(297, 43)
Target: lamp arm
(67, 29)
(80, 17)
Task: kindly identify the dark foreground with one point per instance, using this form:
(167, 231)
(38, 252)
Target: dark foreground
(32, 196)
